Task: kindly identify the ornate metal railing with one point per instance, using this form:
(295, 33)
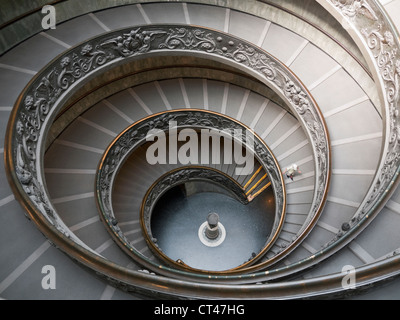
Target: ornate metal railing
(43, 97)
(136, 135)
(373, 31)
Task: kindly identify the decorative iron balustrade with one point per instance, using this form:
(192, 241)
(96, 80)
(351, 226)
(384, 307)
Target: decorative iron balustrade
(44, 95)
(42, 98)
(136, 135)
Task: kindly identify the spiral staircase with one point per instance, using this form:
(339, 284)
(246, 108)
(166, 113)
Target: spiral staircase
(316, 81)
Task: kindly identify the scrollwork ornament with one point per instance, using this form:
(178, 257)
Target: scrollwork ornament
(179, 38)
(353, 8)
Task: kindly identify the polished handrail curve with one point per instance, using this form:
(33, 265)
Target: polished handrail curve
(137, 134)
(40, 101)
(177, 177)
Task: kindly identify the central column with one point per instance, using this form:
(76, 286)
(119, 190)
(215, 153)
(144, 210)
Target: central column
(212, 230)
(212, 233)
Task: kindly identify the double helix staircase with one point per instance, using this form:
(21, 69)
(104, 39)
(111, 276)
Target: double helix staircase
(323, 57)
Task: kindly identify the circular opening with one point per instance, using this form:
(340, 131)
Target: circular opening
(240, 171)
(179, 222)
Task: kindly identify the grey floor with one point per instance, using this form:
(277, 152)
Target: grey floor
(176, 221)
